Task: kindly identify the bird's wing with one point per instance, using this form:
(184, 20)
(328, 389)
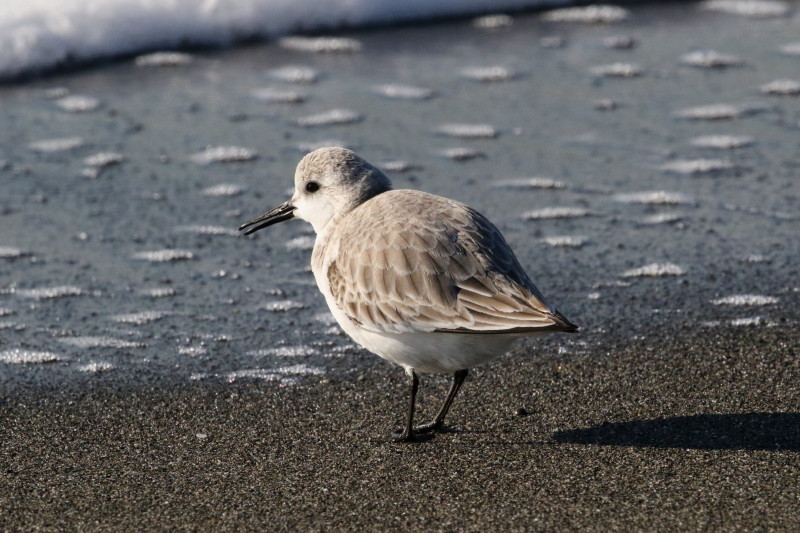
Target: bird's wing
(410, 261)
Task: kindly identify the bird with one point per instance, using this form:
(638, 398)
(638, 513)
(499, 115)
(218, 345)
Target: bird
(422, 281)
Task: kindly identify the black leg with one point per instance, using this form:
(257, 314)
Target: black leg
(438, 422)
(408, 432)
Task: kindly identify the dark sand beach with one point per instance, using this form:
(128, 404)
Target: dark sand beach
(692, 432)
(160, 372)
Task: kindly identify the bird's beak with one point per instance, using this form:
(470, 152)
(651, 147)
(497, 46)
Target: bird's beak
(279, 214)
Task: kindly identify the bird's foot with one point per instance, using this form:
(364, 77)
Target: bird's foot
(414, 435)
(436, 425)
(403, 436)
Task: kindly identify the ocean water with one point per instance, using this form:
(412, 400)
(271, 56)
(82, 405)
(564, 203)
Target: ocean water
(643, 167)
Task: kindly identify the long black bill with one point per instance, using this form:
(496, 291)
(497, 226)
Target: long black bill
(279, 214)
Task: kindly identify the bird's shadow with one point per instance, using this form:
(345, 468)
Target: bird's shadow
(748, 431)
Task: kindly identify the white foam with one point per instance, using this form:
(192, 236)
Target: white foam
(101, 341)
(697, 166)
(791, 49)
(748, 8)
(49, 293)
(283, 306)
(330, 118)
(95, 367)
(164, 256)
(748, 321)
(617, 70)
(710, 59)
(285, 351)
(223, 189)
(741, 300)
(595, 14)
(10, 252)
(780, 215)
(710, 112)
(782, 88)
(556, 212)
(304, 242)
(193, 350)
(654, 198)
(461, 153)
(404, 92)
(334, 330)
(42, 34)
(654, 270)
(530, 183)
(396, 166)
(202, 229)
(491, 22)
(722, 142)
(158, 292)
(342, 350)
(615, 283)
(19, 356)
(326, 318)
(489, 74)
(223, 154)
(278, 374)
(250, 373)
(566, 241)
(295, 74)
(103, 159)
(140, 318)
(328, 45)
(663, 218)
(163, 59)
(78, 103)
(56, 145)
(305, 370)
(756, 258)
(278, 96)
(468, 131)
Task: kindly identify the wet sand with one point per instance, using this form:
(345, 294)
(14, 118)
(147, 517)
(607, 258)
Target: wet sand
(690, 432)
(159, 372)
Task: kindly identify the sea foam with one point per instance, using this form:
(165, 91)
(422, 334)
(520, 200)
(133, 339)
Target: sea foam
(37, 35)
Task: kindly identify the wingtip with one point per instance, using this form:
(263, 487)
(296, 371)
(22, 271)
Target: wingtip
(563, 323)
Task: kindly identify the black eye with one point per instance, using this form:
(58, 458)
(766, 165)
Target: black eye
(312, 186)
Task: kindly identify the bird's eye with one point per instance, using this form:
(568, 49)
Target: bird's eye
(312, 186)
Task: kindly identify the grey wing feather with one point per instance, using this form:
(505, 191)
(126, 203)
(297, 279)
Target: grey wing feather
(437, 265)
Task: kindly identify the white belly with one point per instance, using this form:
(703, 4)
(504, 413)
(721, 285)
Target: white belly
(428, 352)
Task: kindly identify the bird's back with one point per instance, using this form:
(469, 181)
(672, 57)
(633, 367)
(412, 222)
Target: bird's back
(408, 261)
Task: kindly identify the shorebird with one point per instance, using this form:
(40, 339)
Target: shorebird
(420, 280)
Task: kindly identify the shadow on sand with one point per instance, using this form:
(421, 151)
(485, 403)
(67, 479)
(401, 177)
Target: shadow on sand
(749, 431)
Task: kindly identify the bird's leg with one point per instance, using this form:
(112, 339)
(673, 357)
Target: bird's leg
(408, 431)
(438, 422)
